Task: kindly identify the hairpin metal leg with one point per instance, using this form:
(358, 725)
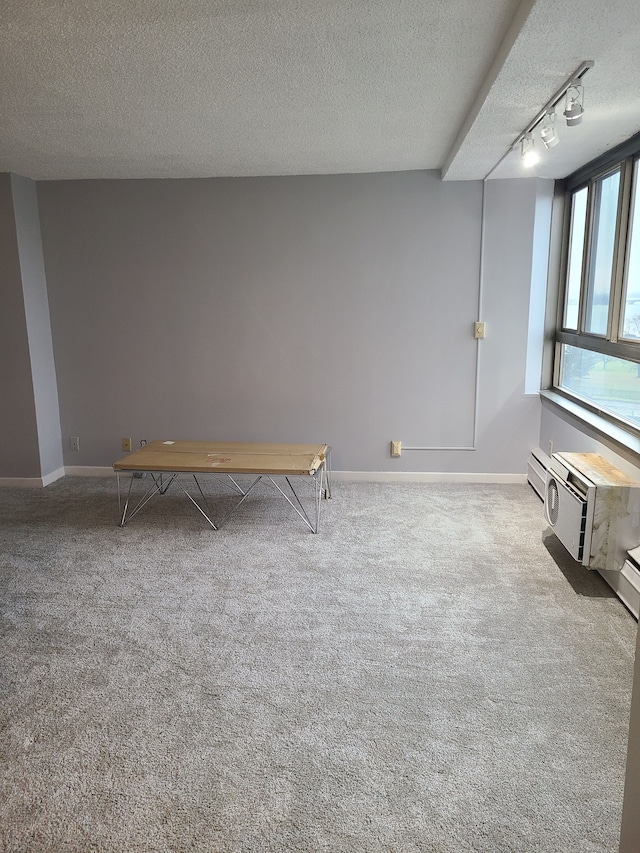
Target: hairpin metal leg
(157, 488)
(160, 482)
(206, 515)
(297, 505)
(245, 495)
(327, 474)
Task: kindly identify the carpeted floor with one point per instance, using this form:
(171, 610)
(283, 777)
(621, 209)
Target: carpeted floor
(430, 672)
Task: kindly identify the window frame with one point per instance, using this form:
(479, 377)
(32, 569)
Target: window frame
(633, 207)
(626, 159)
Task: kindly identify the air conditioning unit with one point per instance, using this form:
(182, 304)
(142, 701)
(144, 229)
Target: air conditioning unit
(537, 468)
(594, 510)
(569, 507)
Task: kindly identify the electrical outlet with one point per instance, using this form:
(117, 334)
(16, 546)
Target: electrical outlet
(396, 448)
(126, 444)
(479, 330)
(74, 442)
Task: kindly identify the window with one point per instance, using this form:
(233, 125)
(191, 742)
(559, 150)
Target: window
(631, 304)
(598, 338)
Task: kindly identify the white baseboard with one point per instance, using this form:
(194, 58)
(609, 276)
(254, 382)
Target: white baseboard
(21, 482)
(89, 471)
(31, 482)
(425, 477)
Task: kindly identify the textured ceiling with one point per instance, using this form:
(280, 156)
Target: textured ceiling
(190, 88)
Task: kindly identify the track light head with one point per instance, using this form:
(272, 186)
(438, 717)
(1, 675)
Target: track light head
(548, 131)
(528, 153)
(574, 103)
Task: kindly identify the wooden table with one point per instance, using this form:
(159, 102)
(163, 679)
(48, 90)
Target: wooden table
(165, 461)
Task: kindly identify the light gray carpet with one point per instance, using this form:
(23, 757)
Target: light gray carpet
(428, 673)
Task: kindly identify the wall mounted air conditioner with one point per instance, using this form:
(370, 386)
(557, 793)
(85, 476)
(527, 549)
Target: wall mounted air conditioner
(594, 510)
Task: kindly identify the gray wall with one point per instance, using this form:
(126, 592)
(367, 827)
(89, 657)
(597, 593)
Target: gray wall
(321, 308)
(508, 418)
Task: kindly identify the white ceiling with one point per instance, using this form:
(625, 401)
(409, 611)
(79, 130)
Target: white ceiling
(190, 88)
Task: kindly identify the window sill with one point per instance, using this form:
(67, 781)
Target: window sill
(599, 424)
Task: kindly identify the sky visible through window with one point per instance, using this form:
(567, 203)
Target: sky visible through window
(604, 373)
(631, 320)
(604, 233)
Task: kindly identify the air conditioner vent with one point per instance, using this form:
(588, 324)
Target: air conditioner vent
(537, 467)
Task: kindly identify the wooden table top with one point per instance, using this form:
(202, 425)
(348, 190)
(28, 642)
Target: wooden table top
(224, 457)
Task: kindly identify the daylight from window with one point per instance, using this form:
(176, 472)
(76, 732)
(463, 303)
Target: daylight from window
(631, 316)
(576, 252)
(603, 243)
(608, 383)
(598, 344)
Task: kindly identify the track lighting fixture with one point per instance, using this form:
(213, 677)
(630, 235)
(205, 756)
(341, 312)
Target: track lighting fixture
(573, 93)
(574, 103)
(548, 131)
(528, 153)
